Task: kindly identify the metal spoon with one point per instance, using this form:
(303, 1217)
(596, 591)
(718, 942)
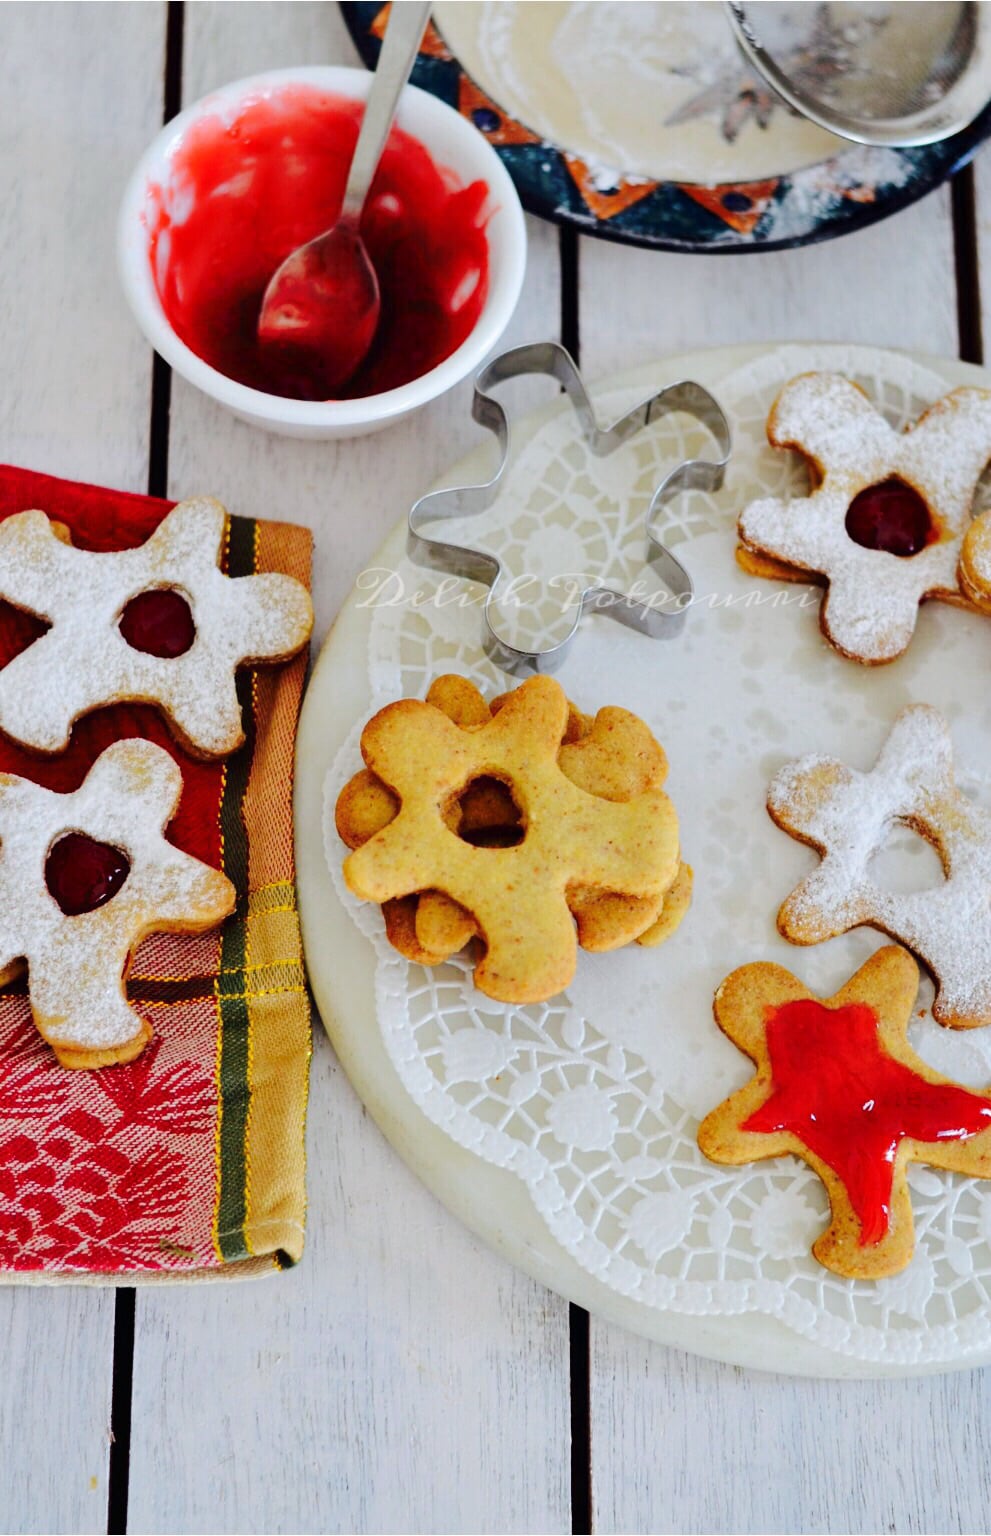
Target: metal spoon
(886, 74)
(321, 307)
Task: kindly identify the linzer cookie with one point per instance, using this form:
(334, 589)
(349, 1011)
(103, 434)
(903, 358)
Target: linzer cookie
(838, 1085)
(846, 816)
(975, 563)
(614, 756)
(84, 877)
(885, 521)
(526, 825)
(160, 624)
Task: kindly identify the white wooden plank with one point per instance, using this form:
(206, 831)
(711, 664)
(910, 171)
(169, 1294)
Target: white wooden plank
(982, 197)
(683, 1444)
(679, 1443)
(82, 96)
(402, 1378)
(891, 284)
(82, 93)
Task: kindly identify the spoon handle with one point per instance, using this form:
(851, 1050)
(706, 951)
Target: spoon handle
(407, 21)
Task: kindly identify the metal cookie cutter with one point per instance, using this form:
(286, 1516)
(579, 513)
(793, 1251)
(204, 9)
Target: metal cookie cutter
(658, 622)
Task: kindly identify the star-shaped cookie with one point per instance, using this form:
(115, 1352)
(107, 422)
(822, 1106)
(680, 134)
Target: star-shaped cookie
(90, 600)
(838, 1085)
(77, 919)
(886, 519)
(846, 815)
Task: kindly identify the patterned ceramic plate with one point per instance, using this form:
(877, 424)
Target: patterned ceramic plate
(672, 141)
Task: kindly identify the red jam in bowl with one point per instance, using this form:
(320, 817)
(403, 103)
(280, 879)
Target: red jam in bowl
(243, 193)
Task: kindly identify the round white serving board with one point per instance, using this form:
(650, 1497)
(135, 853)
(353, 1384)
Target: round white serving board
(492, 1201)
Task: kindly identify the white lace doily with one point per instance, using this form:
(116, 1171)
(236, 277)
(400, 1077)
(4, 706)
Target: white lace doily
(593, 1099)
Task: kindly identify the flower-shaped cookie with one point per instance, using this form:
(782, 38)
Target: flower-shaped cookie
(838, 1085)
(516, 896)
(83, 878)
(613, 756)
(160, 624)
(846, 815)
(885, 522)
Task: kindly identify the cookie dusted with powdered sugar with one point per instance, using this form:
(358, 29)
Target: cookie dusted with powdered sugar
(975, 563)
(84, 877)
(846, 816)
(160, 625)
(885, 521)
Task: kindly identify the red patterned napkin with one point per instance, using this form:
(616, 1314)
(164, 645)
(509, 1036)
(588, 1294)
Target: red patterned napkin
(189, 1160)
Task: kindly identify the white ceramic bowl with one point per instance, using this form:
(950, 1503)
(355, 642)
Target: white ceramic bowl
(451, 141)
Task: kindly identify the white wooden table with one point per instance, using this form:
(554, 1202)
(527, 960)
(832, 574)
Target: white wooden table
(403, 1378)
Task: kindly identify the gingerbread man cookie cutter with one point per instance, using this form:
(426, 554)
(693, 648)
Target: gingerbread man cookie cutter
(83, 660)
(657, 621)
(846, 815)
(77, 963)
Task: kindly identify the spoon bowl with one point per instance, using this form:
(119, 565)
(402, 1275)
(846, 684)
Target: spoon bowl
(321, 310)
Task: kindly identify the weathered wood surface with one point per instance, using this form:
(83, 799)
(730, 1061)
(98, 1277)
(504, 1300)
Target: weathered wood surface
(82, 95)
(402, 1378)
(684, 1444)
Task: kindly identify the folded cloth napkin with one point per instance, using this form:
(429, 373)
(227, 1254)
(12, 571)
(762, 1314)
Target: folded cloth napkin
(187, 1163)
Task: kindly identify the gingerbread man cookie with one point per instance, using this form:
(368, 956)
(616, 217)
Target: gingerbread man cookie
(886, 520)
(160, 624)
(846, 815)
(516, 897)
(838, 1085)
(84, 877)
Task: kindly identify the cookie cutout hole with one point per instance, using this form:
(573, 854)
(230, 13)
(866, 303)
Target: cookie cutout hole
(906, 863)
(891, 517)
(20, 629)
(488, 815)
(82, 874)
(158, 622)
